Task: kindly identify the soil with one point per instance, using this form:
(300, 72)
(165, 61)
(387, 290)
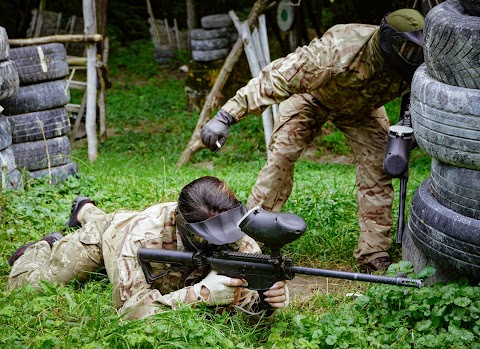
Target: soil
(302, 287)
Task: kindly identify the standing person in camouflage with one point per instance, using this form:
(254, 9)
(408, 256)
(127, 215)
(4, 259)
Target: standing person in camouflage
(112, 240)
(345, 77)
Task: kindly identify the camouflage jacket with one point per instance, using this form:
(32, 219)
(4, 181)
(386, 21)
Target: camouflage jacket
(151, 228)
(343, 70)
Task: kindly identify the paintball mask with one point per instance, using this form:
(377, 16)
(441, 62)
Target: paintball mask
(401, 40)
(219, 230)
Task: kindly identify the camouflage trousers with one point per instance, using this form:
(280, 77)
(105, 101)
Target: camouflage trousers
(75, 256)
(301, 118)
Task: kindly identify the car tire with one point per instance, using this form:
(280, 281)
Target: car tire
(210, 44)
(38, 125)
(5, 133)
(472, 6)
(445, 236)
(57, 174)
(410, 252)
(446, 120)
(41, 96)
(38, 155)
(206, 34)
(40, 63)
(456, 188)
(451, 48)
(4, 45)
(9, 81)
(10, 176)
(212, 55)
(216, 21)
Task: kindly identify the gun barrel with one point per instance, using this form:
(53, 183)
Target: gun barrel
(399, 281)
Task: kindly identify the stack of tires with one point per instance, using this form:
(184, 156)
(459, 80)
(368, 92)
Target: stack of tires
(9, 83)
(37, 113)
(444, 224)
(214, 39)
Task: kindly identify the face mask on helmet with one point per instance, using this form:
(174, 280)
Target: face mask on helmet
(219, 230)
(407, 45)
(401, 40)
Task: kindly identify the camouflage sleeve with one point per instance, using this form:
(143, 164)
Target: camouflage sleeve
(302, 71)
(149, 301)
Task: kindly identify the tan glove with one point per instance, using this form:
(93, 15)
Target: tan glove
(221, 289)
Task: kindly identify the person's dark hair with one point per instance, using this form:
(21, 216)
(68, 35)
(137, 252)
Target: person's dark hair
(204, 198)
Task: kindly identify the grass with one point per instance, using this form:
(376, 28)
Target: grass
(148, 128)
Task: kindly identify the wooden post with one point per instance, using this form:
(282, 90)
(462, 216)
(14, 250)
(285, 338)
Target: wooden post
(195, 142)
(89, 19)
(167, 30)
(256, 62)
(39, 24)
(191, 20)
(153, 23)
(102, 93)
(177, 37)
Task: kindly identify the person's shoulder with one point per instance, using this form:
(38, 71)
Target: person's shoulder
(162, 208)
(353, 30)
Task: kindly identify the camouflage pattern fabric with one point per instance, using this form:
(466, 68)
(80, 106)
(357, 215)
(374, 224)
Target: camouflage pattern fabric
(342, 78)
(113, 240)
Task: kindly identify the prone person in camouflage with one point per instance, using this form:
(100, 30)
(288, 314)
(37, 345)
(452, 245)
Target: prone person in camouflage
(112, 240)
(345, 77)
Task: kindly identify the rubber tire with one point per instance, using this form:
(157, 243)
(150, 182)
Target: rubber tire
(446, 120)
(451, 49)
(14, 180)
(5, 133)
(10, 176)
(9, 81)
(210, 44)
(32, 156)
(410, 252)
(447, 237)
(164, 54)
(29, 66)
(42, 96)
(216, 21)
(58, 174)
(472, 6)
(4, 45)
(38, 125)
(456, 188)
(212, 55)
(7, 160)
(206, 34)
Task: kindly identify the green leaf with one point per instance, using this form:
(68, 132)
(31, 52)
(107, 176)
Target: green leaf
(462, 301)
(424, 325)
(426, 272)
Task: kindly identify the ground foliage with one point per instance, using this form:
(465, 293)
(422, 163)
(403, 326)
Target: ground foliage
(148, 128)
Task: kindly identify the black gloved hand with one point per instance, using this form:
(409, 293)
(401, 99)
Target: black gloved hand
(214, 133)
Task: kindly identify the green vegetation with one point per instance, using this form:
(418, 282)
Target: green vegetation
(148, 128)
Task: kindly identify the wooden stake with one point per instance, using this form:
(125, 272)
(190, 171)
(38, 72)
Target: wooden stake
(153, 23)
(90, 119)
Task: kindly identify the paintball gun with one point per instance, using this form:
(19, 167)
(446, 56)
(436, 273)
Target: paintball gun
(397, 157)
(261, 271)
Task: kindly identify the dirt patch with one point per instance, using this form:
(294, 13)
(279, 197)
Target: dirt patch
(302, 287)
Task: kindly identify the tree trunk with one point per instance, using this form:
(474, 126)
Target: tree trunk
(195, 142)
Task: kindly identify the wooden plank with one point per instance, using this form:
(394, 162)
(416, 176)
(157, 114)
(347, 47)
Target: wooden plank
(88, 38)
(90, 119)
(153, 23)
(77, 85)
(254, 58)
